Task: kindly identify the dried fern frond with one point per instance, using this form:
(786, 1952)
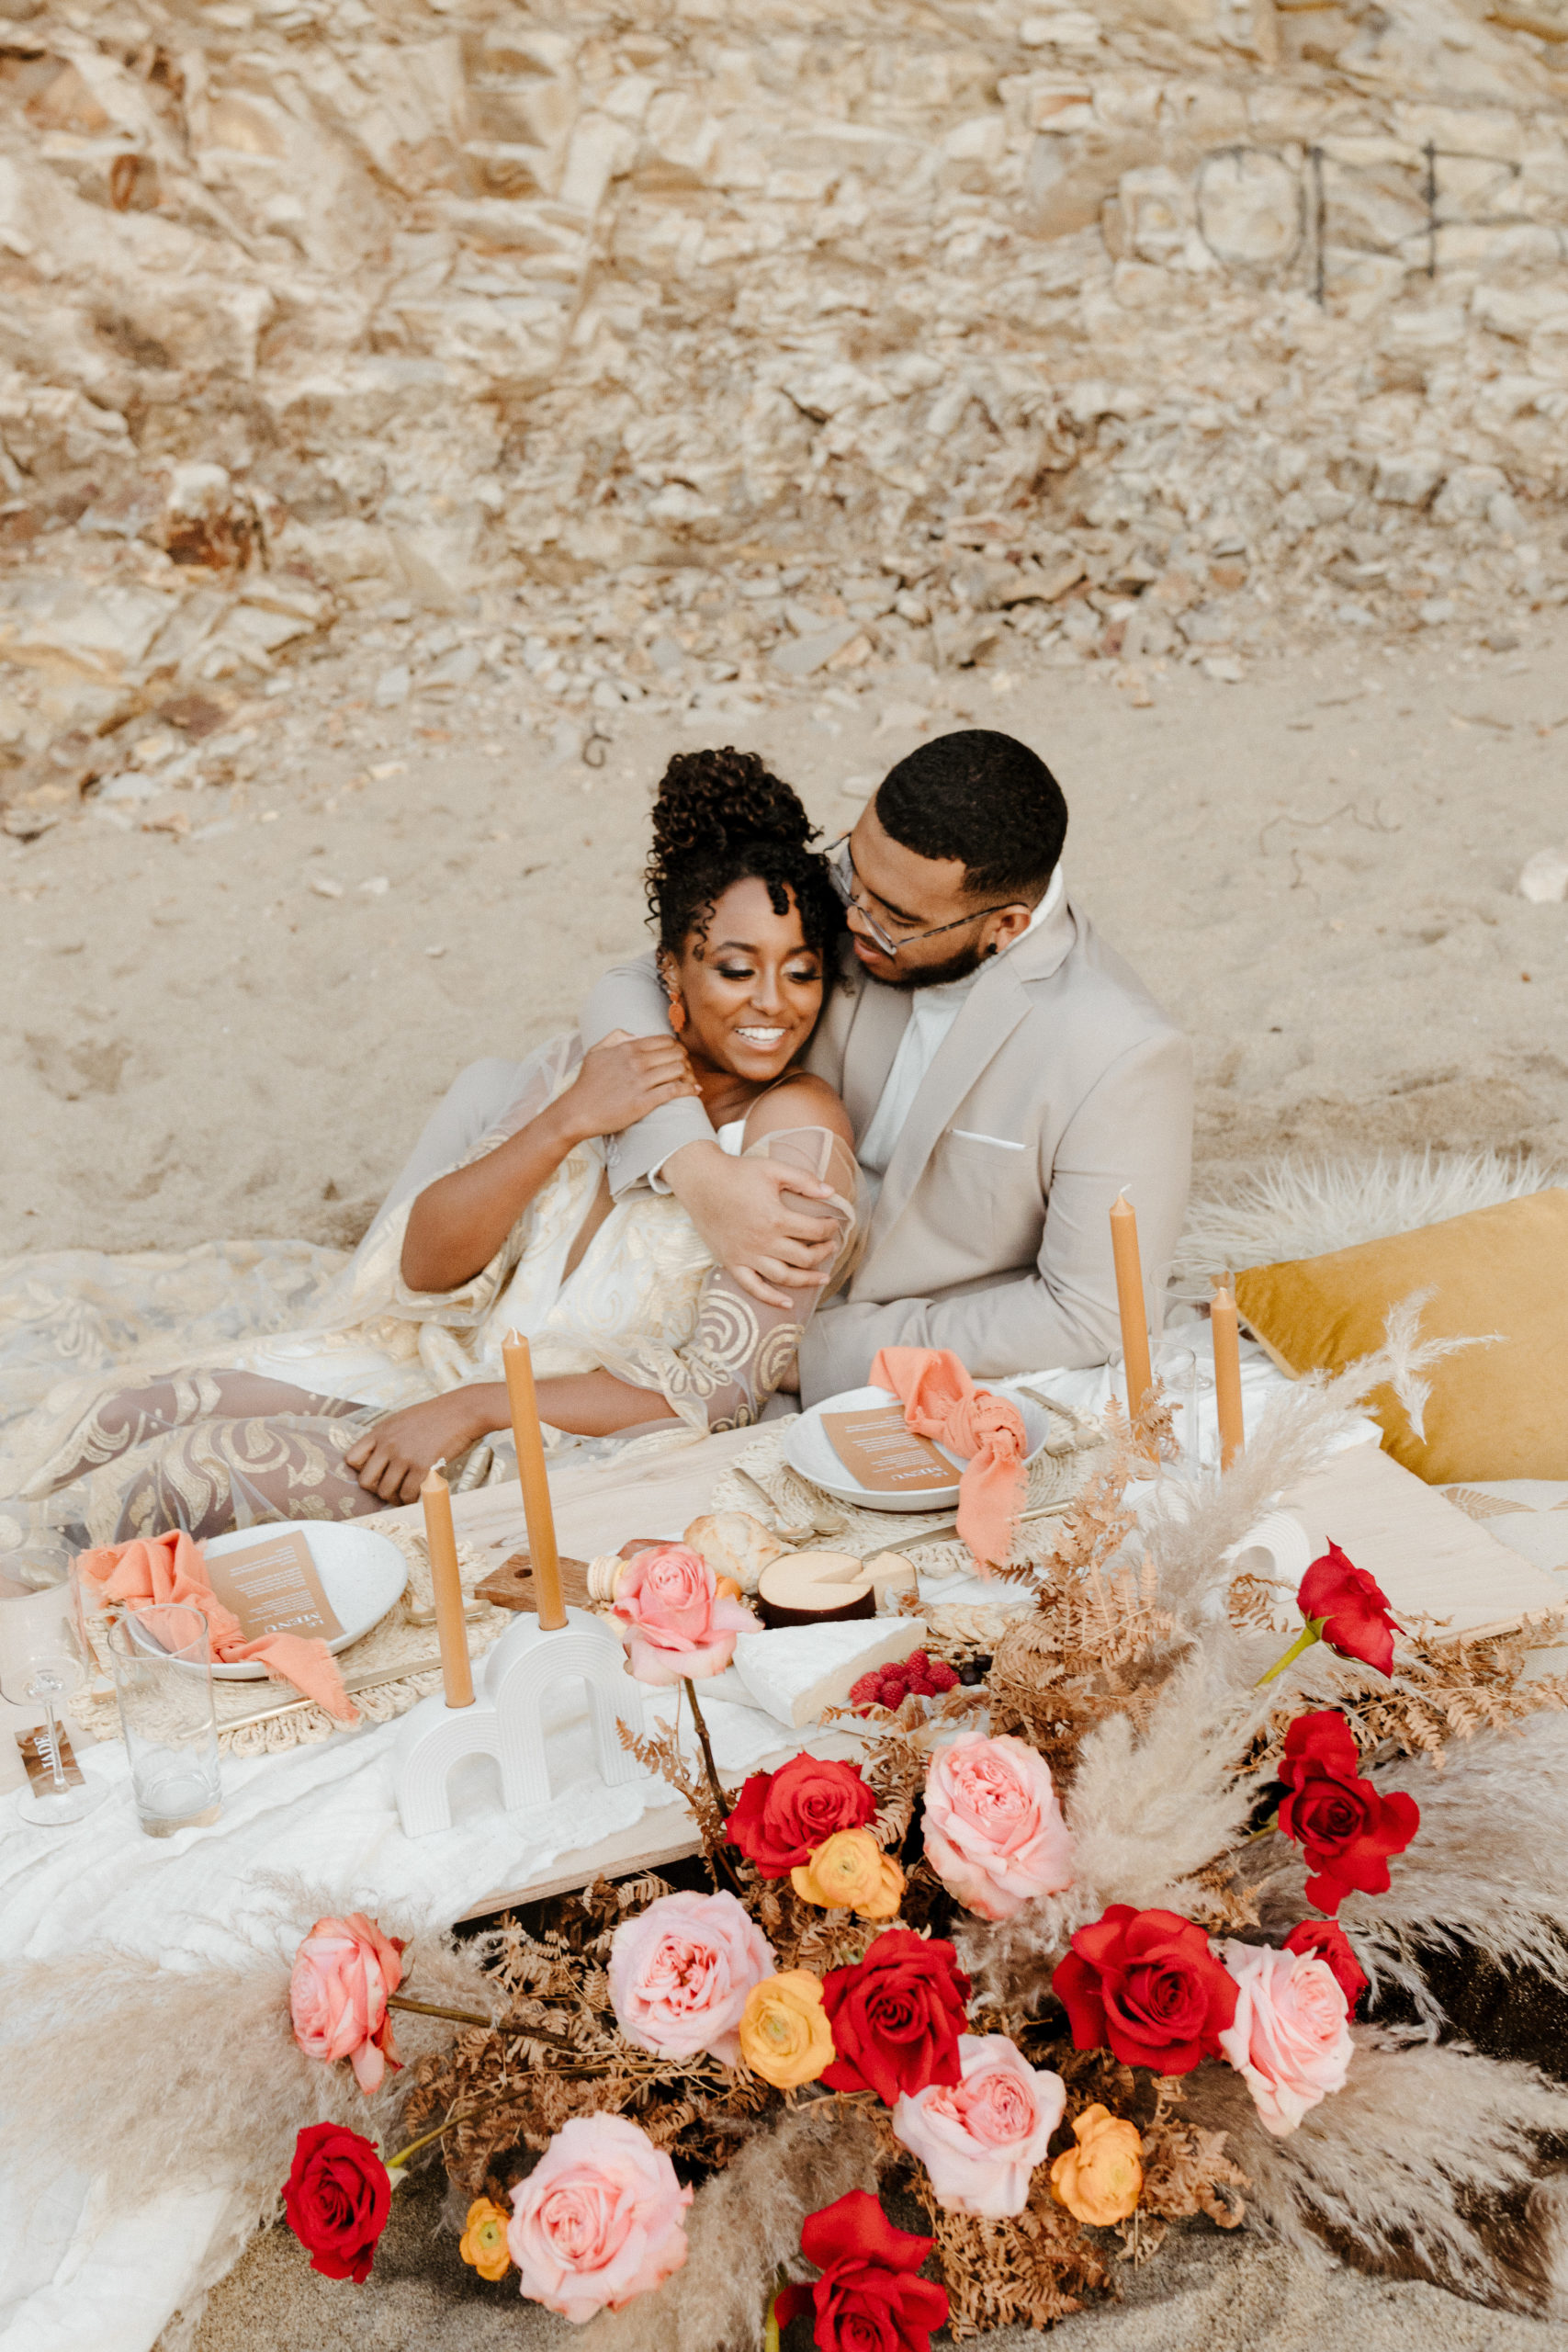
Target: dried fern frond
(1028, 2272)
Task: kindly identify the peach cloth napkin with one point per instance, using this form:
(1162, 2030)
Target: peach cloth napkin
(942, 1402)
(171, 1567)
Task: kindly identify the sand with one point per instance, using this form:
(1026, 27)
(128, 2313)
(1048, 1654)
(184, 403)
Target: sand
(1314, 868)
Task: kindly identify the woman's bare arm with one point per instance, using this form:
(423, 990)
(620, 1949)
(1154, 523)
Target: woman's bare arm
(393, 1459)
(457, 1224)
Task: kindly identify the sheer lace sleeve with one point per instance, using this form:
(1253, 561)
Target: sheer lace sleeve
(740, 1351)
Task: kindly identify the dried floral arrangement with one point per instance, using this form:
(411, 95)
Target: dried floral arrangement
(1101, 1941)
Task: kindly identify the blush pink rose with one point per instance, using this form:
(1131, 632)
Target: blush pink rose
(599, 2221)
(1289, 2040)
(981, 2140)
(680, 1973)
(672, 1619)
(337, 1996)
(995, 1835)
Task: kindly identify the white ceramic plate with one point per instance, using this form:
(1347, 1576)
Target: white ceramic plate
(809, 1450)
(362, 1574)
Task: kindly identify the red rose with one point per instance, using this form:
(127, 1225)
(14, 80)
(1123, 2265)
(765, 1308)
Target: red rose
(1326, 1939)
(868, 2298)
(1345, 1827)
(1144, 1986)
(1350, 1610)
(337, 2198)
(780, 1819)
(897, 2017)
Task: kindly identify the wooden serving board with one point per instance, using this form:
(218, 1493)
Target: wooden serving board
(1430, 1557)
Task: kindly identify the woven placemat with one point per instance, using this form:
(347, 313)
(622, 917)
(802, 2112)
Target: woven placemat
(406, 1635)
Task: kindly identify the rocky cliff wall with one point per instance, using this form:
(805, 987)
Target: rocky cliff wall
(1149, 333)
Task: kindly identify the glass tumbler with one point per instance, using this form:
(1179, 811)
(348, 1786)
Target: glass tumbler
(1175, 1370)
(163, 1680)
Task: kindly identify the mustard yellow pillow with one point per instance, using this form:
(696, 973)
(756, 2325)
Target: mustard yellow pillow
(1496, 1412)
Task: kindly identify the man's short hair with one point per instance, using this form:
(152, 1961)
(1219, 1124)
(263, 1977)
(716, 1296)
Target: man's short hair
(985, 798)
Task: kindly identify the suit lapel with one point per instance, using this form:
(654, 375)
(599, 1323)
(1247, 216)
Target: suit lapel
(854, 1047)
(987, 1020)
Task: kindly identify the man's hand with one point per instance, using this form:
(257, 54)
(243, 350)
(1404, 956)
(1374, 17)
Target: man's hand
(758, 1219)
(622, 1080)
(394, 1458)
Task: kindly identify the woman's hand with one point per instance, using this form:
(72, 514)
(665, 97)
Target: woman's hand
(395, 1457)
(622, 1080)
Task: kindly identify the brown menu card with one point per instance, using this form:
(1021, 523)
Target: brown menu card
(884, 1454)
(272, 1587)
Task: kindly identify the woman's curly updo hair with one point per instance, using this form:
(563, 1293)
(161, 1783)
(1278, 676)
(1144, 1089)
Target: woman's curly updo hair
(721, 818)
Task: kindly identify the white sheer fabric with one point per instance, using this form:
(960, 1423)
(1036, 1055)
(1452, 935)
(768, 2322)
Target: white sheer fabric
(238, 1375)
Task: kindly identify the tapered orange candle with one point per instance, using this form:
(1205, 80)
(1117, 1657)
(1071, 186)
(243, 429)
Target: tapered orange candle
(1224, 1331)
(543, 1557)
(1130, 1301)
(447, 1588)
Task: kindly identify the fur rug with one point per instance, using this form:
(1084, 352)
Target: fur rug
(1300, 1208)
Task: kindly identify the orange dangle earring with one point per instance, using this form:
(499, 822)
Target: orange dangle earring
(677, 1014)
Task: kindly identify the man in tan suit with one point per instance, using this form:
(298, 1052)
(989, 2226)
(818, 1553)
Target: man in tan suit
(1006, 1072)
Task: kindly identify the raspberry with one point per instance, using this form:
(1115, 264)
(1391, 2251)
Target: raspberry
(943, 1676)
(918, 1661)
(891, 1689)
(864, 1692)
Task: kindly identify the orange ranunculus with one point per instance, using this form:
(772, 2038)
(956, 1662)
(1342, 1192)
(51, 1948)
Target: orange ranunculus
(849, 1873)
(483, 2242)
(784, 2033)
(1101, 2180)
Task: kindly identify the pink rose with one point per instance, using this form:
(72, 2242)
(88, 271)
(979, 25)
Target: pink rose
(599, 2221)
(680, 1973)
(981, 2140)
(1291, 2039)
(671, 1620)
(337, 1996)
(995, 1835)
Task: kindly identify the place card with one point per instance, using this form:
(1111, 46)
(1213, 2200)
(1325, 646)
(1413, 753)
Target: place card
(34, 1746)
(882, 1453)
(272, 1587)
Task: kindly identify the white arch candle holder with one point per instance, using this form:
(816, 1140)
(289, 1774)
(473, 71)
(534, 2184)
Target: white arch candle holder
(506, 1720)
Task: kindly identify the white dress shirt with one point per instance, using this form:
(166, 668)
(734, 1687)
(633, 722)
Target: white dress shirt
(932, 1013)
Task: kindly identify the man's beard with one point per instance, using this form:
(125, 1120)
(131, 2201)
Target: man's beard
(935, 976)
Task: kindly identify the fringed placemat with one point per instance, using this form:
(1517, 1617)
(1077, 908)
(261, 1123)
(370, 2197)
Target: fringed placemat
(405, 1637)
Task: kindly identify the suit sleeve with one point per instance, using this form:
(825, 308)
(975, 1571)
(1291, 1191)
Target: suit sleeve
(629, 998)
(1133, 1131)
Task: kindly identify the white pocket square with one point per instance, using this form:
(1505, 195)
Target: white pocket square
(1001, 1143)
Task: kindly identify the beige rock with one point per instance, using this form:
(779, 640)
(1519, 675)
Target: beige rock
(1544, 878)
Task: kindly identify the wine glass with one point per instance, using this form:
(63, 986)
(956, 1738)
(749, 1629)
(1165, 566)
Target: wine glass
(43, 1667)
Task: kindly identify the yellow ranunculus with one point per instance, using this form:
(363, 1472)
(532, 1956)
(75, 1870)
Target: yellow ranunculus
(483, 2242)
(784, 2033)
(850, 1873)
(1101, 2180)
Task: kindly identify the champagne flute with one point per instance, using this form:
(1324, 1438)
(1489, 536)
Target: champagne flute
(43, 1668)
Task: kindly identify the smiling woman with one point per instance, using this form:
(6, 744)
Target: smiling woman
(504, 1219)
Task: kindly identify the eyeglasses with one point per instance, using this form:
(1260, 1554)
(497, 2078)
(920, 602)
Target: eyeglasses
(875, 932)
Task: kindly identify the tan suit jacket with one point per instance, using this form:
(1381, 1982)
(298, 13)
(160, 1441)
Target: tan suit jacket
(1060, 1083)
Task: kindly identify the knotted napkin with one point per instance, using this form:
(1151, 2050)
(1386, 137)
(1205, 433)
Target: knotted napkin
(942, 1402)
(174, 1568)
